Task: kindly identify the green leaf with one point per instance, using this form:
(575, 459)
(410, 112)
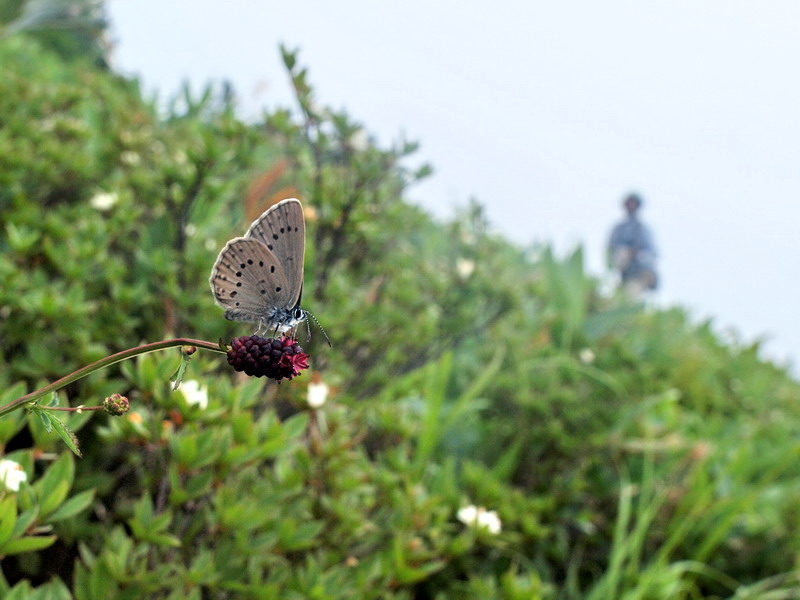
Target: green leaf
(165, 540)
(27, 544)
(55, 589)
(200, 484)
(289, 57)
(53, 487)
(66, 434)
(10, 424)
(296, 426)
(147, 526)
(72, 507)
(24, 520)
(45, 417)
(8, 517)
(407, 575)
(177, 377)
(298, 537)
(49, 502)
(21, 591)
(93, 583)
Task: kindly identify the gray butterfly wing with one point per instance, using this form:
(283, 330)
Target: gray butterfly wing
(249, 282)
(282, 229)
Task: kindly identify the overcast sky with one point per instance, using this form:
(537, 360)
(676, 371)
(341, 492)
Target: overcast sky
(548, 113)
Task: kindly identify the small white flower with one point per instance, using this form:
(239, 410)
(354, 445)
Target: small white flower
(317, 394)
(586, 355)
(130, 158)
(359, 140)
(195, 394)
(480, 518)
(103, 200)
(48, 124)
(318, 110)
(465, 267)
(12, 474)
(190, 229)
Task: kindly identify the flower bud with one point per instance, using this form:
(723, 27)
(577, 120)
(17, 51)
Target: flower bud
(116, 404)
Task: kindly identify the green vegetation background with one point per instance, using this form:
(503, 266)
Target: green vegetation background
(629, 453)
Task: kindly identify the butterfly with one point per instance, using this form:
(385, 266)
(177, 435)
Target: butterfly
(258, 278)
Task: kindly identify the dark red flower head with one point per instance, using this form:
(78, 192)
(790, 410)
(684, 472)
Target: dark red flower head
(276, 358)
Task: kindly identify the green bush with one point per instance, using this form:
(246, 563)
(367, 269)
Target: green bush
(628, 452)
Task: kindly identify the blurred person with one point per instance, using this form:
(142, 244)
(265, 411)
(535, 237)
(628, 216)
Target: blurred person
(631, 251)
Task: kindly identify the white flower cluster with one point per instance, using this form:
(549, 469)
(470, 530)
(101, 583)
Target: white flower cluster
(317, 394)
(465, 267)
(480, 518)
(103, 200)
(195, 394)
(586, 356)
(12, 474)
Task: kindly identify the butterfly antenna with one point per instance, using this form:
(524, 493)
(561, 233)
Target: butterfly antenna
(321, 328)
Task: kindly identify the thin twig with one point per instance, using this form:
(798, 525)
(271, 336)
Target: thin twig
(77, 409)
(105, 362)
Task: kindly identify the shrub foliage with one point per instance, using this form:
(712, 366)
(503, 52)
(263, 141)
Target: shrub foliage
(628, 452)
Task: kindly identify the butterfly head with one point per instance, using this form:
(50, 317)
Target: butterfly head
(281, 320)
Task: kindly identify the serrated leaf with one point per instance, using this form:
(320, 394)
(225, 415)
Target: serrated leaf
(66, 434)
(27, 544)
(177, 377)
(45, 418)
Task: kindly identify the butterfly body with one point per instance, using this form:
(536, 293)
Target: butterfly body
(258, 278)
(273, 319)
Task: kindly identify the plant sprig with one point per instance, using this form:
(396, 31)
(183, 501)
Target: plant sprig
(101, 364)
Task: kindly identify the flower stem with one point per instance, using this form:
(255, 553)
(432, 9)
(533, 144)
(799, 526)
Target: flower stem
(105, 362)
(77, 409)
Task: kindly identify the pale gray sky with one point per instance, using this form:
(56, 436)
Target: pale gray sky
(548, 113)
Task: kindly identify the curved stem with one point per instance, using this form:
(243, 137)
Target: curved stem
(76, 409)
(105, 362)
